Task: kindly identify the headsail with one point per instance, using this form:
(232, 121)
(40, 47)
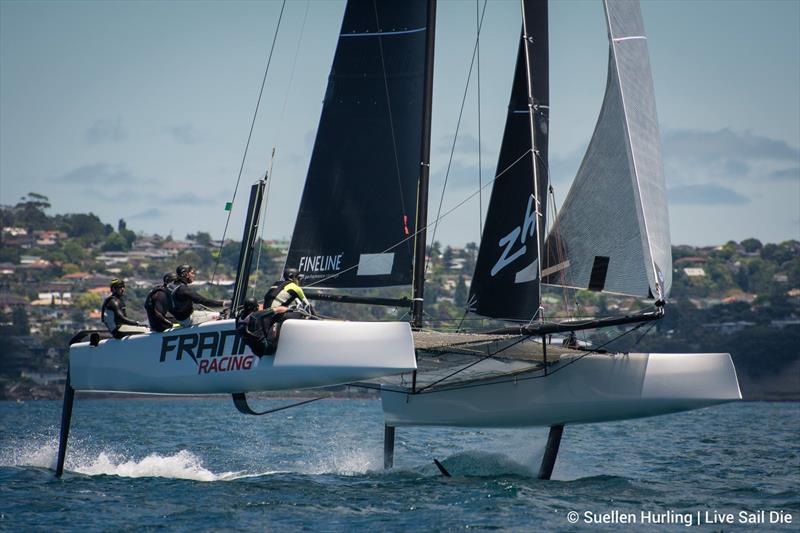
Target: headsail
(506, 281)
(612, 233)
(359, 199)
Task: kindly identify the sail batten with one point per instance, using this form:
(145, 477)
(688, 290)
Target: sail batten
(613, 229)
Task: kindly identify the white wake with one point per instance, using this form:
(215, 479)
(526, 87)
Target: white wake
(181, 465)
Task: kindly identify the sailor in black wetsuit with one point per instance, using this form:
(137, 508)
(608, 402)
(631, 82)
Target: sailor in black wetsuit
(182, 298)
(255, 327)
(156, 304)
(114, 315)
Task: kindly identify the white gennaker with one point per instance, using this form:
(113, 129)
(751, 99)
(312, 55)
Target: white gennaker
(593, 388)
(210, 359)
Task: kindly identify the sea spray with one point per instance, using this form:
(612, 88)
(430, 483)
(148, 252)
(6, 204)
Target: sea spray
(40, 451)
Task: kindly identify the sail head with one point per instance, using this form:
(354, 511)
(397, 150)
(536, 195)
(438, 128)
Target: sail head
(357, 215)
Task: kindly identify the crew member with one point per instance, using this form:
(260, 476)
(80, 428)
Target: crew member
(156, 304)
(114, 315)
(182, 299)
(287, 300)
(257, 328)
(288, 293)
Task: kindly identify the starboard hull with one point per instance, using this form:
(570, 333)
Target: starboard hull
(596, 388)
(210, 359)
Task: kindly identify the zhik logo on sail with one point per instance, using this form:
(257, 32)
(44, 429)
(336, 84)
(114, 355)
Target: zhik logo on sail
(522, 233)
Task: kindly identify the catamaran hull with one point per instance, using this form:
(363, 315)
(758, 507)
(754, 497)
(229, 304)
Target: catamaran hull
(211, 359)
(596, 388)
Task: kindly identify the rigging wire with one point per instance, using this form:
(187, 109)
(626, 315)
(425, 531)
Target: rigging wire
(455, 135)
(247, 144)
(272, 158)
(389, 109)
(478, 21)
(526, 378)
(480, 360)
(438, 218)
(262, 217)
(515, 379)
(644, 334)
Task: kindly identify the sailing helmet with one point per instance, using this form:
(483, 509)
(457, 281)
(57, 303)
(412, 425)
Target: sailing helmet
(182, 270)
(250, 305)
(169, 278)
(291, 274)
(117, 283)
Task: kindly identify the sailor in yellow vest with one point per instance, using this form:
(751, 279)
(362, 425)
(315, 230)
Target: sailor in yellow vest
(288, 293)
(287, 300)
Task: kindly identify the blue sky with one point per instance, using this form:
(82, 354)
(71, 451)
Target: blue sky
(141, 110)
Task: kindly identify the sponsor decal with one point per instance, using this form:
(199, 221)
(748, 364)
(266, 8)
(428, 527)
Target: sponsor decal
(225, 364)
(212, 351)
(523, 232)
(321, 263)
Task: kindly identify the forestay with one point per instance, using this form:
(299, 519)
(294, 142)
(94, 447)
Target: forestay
(357, 216)
(506, 281)
(612, 233)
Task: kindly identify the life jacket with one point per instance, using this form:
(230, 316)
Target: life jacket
(289, 294)
(107, 315)
(274, 292)
(180, 309)
(149, 304)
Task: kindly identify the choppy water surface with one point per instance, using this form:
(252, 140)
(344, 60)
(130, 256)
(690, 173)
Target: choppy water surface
(200, 465)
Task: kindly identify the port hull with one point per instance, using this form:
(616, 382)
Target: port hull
(210, 359)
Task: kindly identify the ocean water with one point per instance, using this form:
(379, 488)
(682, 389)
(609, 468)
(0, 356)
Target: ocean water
(199, 465)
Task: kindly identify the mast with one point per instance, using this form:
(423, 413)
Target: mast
(420, 240)
(507, 280)
(532, 109)
(248, 243)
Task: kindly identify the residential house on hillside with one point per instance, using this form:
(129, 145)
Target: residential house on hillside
(114, 258)
(694, 272)
(49, 238)
(692, 259)
(9, 301)
(76, 276)
(175, 246)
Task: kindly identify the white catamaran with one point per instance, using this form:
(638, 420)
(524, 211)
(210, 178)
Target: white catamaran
(362, 224)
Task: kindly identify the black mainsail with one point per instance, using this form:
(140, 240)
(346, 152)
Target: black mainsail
(357, 216)
(506, 281)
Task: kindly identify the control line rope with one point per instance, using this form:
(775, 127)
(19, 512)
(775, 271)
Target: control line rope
(247, 144)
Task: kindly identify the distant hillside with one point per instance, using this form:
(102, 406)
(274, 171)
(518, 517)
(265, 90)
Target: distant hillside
(742, 298)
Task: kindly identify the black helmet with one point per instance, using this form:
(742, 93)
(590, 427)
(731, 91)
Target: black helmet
(117, 283)
(169, 278)
(250, 305)
(291, 274)
(182, 270)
